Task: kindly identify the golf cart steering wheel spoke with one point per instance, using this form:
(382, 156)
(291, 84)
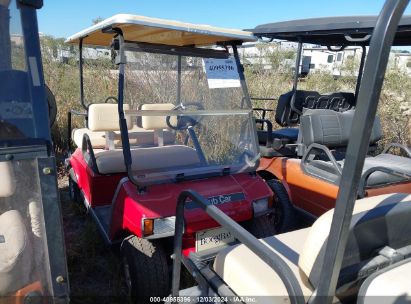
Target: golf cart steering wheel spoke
(185, 122)
(111, 98)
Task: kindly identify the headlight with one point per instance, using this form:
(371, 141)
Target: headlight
(159, 227)
(260, 206)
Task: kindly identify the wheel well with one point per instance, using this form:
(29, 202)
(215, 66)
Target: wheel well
(266, 175)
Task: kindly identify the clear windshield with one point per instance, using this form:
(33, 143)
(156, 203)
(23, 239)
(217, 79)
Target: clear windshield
(202, 115)
(24, 260)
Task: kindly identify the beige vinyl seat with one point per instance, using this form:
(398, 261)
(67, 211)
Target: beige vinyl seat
(377, 222)
(15, 245)
(138, 136)
(160, 157)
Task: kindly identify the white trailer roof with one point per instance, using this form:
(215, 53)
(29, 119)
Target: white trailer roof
(159, 31)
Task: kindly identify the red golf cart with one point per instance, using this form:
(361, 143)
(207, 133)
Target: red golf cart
(182, 119)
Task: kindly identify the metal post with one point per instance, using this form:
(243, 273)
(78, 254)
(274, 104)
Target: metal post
(178, 79)
(360, 72)
(296, 72)
(368, 97)
(121, 62)
(81, 73)
(243, 82)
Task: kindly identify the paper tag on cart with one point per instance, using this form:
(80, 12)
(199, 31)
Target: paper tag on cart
(221, 73)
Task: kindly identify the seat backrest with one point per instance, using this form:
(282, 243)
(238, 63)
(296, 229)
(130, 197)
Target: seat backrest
(284, 115)
(156, 122)
(377, 222)
(341, 101)
(104, 117)
(330, 128)
(8, 181)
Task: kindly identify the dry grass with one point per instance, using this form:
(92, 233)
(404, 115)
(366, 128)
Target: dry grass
(95, 269)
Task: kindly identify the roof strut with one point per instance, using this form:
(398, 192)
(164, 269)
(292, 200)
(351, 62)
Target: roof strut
(296, 72)
(81, 73)
(121, 61)
(360, 72)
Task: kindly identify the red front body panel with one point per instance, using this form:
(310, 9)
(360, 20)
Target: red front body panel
(161, 201)
(157, 201)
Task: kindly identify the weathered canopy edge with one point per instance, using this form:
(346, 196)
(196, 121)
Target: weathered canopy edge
(202, 34)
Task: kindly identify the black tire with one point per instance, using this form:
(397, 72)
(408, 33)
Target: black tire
(284, 214)
(262, 226)
(146, 269)
(74, 191)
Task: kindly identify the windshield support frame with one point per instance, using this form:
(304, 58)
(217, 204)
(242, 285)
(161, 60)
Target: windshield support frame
(121, 62)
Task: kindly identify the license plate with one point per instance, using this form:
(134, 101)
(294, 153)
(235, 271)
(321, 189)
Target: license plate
(213, 238)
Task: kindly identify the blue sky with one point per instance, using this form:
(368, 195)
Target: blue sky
(61, 18)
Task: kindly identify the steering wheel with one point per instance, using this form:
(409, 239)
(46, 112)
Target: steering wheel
(184, 122)
(111, 97)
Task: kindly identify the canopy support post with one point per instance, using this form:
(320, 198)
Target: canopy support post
(81, 74)
(178, 79)
(360, 72)
(296, 72)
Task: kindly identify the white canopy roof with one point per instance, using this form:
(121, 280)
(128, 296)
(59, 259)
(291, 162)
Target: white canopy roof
(159, 31)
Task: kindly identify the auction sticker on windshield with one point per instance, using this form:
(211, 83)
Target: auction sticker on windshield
(221, 73)
(213, 238)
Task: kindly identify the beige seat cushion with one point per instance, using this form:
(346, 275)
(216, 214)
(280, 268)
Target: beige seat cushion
(303, 250)
(137, 136)
(247, 275)
(145, 159)
(15, 253)
(7, 178)
(391, 209)
(389, 286)
(97, 139)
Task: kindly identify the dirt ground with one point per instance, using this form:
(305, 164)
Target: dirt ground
(95, 270)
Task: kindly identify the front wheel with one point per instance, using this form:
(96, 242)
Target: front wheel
(262, 226)
(145, 268)
(284, 214)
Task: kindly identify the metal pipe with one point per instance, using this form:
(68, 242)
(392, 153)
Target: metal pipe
(369, 93)
(296, 72)
(121, 62)
(360, 72)
(243, 82)
(245, 237)
(81, 74)
(178, 79)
